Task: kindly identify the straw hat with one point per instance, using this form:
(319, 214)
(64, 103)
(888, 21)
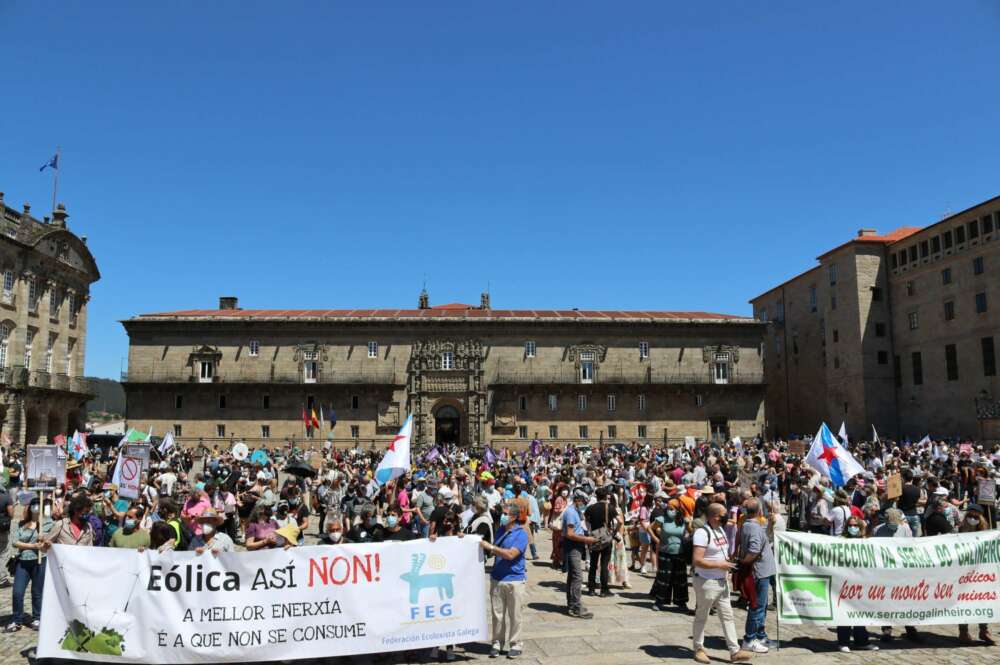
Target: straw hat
(290, 532)
(211, 516)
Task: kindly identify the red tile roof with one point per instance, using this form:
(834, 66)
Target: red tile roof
(888, 238)
(447, 312)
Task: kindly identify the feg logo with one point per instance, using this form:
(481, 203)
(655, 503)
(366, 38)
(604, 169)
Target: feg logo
(434, 581)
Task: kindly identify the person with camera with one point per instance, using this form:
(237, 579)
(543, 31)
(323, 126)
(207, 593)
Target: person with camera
(711, 584)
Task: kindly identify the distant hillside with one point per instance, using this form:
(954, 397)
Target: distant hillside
(110, 396)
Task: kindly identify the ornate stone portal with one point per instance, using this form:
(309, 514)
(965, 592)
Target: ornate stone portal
(451, 370)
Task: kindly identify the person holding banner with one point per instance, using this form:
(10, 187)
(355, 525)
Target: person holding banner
(508, 579)
(975, 521)
(29, 568)
(856, 636)
(75, 528)
(211, 538)
(711, 584)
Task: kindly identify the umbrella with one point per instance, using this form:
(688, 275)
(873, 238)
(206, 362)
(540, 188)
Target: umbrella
(241, 451)
(260, 457)
(300, 469)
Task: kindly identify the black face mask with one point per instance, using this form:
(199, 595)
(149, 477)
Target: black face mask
(723, 519)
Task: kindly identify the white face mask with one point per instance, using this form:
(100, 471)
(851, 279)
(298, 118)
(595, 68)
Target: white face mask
(972, 520)
(335, 536)
(207, 529)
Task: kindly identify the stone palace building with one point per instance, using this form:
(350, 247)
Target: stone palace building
(469, 375)
(897, 331)
(47, 272)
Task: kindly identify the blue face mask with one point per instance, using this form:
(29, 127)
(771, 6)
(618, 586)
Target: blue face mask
(391, 521)
(504, 520)
(853, 530)
(129, 524)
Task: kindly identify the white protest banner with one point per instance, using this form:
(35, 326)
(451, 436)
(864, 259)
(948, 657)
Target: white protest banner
(689, 442)
(140, 451)
(130, 475)
(888, 581)
(122, 606)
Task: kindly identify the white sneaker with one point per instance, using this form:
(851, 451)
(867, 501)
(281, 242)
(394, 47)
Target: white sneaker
(756, 647)
(845, 649)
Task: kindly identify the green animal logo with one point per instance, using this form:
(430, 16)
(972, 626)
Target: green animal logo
(812, 586)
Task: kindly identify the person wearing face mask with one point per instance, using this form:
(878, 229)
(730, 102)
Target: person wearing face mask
(575, 542)
(854, 637)
(895, 526)
(368, 530)
(975, 520)
(394, 530)
(711, 584)
(334, 531)
(212, 538)
(74, 529)
(195, 505)
(130, 536)
(29, 568)
(260, 530)
(670, 585)
(508, 579)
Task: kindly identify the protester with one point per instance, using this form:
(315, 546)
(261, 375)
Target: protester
(601, 526)
(974, 522)
(211, 538)
(711, 584)
(260, 530)
(854, 637)
(130, 536)
(671, 584)
(29, 568)
(575, 542)
(756, 552)
(507, 580)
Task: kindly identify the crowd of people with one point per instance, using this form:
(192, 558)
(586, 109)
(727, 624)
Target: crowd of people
(699, 519)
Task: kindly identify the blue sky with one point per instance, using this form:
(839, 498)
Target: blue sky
(641, 155)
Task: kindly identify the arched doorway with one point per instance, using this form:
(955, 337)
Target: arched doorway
(447, 425)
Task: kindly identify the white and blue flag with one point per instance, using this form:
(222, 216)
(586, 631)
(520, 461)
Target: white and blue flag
(831, 459)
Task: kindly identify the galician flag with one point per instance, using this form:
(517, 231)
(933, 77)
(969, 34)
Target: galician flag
(831, 459)
(397, 459)
(78, 446)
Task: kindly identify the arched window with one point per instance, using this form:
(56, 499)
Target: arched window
(446, 412)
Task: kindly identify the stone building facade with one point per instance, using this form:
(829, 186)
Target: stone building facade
(469, 375)
(46, 274)
(896, 331)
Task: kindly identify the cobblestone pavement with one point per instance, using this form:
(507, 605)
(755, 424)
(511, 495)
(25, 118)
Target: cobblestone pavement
(625, 630)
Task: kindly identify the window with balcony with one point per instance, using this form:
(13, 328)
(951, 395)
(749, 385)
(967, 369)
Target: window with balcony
(265, 431)
(70, 348)
(581, 402)
(584, 432)
(529, 349)
(254, 348)
(355, 431)
(29, 340)
(178, 430)
(32, 295)
(643, 350)
(522, 431)
(642, 431)
(612, 431)
(553, 431)
(553, 402)
(310, 368)
(220, 430)
(373, 349)
(448, 360)
(206, 371)
(49, 351)
(721, 368)
(612, 402)
(4, 340)
(587, 367)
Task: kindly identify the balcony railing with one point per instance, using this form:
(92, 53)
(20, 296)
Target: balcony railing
(367, 376)
(618, 375)
(19, 377)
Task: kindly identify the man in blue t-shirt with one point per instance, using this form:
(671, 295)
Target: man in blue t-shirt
(575, 541)
(507, 579)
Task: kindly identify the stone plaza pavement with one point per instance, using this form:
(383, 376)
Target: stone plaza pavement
(626, 630)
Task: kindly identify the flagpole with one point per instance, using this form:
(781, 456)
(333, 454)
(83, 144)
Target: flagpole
(55, 180)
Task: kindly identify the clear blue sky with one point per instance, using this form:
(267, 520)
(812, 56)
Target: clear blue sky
(641, 155)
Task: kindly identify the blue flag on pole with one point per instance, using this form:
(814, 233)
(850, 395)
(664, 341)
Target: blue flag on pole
(51, 164)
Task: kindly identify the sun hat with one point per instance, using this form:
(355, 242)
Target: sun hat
(290, 532)
(210, 515)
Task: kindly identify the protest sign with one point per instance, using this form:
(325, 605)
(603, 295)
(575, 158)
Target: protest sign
(887, 581)
(965, 448)
(267, 605)
(46, 467)
(987, 491)
(894, 486)
(797, 447)
(689, 442)
(130, 477)
(139, 451)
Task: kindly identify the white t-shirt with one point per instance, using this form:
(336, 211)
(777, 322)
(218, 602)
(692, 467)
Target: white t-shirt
(716, 549)
(838, 516)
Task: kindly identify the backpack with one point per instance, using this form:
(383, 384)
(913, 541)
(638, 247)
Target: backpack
(97, 526)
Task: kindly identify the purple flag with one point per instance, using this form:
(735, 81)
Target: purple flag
(490, 456)
(432, 454)
(536, 447)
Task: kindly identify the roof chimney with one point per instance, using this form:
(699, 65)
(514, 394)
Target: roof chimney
(59, 216)
(484, 300)
(228, 302)
(425, 300)
(864, 233)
